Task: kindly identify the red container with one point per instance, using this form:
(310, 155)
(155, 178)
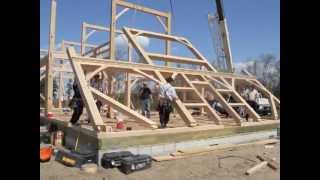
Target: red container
(50, 115)
(120, 125)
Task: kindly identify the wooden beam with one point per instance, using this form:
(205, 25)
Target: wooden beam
(146, 75)
(155, 34)
(113, 29)
(256, 167)
(83, 39)
(42, 97)
(136, 45)
(121, 13)
(194, 104)
(101, 28)
(49, 74)
(161, 22)
(122, 108)
(127, 97)
(183, 88)
(176, 59)
(90, 75)
(72, 43)
(140, 8)
(85, 91)
(148, 67)
(61, 89)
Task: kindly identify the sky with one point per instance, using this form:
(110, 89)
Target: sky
(254, 25)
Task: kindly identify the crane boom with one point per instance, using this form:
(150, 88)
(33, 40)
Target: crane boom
(225, 36)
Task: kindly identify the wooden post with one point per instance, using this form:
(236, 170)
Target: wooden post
(49, 73)
(168, 31)
(110, 89)
(202, 94)
(128, 81)
(113, 29)
(60, 89)
(83, 38)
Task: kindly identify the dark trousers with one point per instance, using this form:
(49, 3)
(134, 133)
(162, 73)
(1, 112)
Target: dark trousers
(99, 104)
(164, 113)
(77, 111)
(253, 104)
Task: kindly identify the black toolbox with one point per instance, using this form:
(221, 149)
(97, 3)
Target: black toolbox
(113, 159)
(75, 159)
(135, 163)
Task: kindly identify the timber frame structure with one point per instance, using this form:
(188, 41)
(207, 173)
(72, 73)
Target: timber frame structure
(94, 59)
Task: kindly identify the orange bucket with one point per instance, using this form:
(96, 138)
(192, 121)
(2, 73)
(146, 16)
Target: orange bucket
(45, 154)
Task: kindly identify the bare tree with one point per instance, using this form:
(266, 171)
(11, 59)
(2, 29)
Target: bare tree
(267, 70)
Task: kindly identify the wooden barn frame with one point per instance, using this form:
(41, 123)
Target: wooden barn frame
(93, 59)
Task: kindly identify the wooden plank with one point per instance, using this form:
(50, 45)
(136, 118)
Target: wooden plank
(163, 158)
(271, 163)
(236, 104)
(194, 104)
(140, 8)
(183, 88)
(122, 108)
(256, 167)
(200, 82)
(85, 92)
(176, 59)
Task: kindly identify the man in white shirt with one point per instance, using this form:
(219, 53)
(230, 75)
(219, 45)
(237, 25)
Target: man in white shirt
(252, 97)
(167, 95)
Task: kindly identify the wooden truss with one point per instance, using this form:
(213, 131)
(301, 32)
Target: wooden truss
(193, 81)
(93, 59)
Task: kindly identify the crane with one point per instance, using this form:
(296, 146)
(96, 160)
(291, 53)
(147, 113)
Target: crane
(220, 36)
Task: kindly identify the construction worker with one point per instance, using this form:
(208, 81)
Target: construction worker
(96, 83)
(166, 97)
(145, 99)
(77, 104)
(252, 97)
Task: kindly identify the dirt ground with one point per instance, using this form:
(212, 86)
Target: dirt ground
(222, 165)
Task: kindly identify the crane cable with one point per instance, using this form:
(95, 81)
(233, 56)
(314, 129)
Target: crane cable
(172, 12)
